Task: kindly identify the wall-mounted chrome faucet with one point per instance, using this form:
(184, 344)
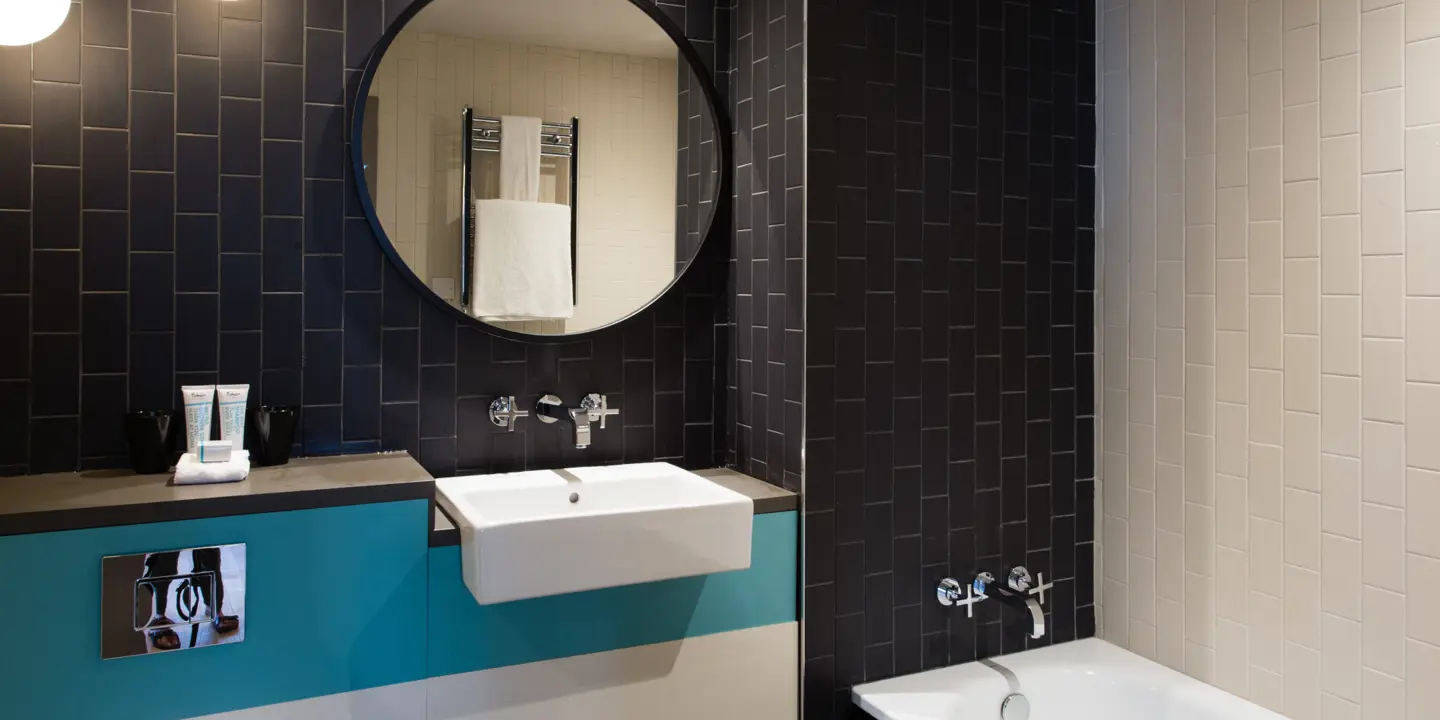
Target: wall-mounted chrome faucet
(1019, 594)
(593, 408)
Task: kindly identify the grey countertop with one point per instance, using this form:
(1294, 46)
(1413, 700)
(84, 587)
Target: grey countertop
(103, 498)
(767, 499)
(69, 501)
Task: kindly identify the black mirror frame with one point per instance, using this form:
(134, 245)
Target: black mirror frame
(724, 159)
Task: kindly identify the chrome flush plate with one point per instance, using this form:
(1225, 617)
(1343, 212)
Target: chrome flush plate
(172, 600)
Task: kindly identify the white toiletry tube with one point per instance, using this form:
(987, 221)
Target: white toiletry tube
(199, 399)
(232, 413)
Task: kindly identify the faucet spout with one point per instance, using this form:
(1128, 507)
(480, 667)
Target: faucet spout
(1022, 602)
(581, 418)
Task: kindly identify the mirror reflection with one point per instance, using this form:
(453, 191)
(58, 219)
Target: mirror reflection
(546, 166)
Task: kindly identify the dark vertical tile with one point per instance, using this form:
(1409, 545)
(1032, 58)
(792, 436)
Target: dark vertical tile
(240, 137)
(15, 253)
(196, 332)
(240, 289)
(324, 217)
(282, 178)
(103, 22)
(152, 371)
(284, 331)
(106, 164)
(197, 174)
(361, 400)
(56, 291)
(285, 31)
(197, 27)
(437, 401)
(324, 67)
(324, 144)
(283, 255)
(152, 131)
(15, 152)
(57, 124)
(362, 329)
(103, 83)
(103, 335)
(240, 214)
(325, 14)
(324, 291)
(401, 365)
(57, 58)
(363, 26)
(284, 101)
(363, 258)
(324, 351)
(15, 88)
(240, 58)
(15, 334)
(400, 427)
(152, 59)
(197, 253)
(242, 9)
(57, 208)
(197, 94)
(102, 256)
(54, 444)
(152, 292)
(103, 404)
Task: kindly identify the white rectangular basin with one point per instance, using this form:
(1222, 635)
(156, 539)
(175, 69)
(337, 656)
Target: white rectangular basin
(550, 532)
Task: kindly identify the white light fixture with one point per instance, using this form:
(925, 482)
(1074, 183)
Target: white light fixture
(29, 21)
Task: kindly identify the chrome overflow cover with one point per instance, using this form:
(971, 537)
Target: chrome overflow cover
(1015, 707)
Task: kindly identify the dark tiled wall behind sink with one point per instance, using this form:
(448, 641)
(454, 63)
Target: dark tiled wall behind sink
(767, 375)
(949, 400)
(176, 208)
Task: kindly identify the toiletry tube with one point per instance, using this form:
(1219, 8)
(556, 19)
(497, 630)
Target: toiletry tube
(198, 402)
(232, 413)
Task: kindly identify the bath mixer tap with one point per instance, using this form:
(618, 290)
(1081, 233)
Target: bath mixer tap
(593, 408)
(1019, 592)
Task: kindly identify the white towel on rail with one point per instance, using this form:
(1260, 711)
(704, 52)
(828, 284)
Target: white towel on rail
(519, 158)
(522, 261)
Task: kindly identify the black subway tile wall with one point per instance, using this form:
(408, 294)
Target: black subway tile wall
(768, 295)
(176, 207)
(949, 346)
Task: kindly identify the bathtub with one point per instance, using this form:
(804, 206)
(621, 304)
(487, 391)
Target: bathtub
(1082, 680)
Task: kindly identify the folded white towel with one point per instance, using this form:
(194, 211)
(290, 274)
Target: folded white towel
(522, 261)
(519, 158)
(190, 471)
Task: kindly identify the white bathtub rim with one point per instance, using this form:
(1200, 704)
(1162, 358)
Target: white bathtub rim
(1090, 655)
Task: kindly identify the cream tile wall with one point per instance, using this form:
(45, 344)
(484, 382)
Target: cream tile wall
(1270, 273)
(625, 242)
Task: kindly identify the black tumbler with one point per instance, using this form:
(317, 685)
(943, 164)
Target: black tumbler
(151, 434)
(270, 433)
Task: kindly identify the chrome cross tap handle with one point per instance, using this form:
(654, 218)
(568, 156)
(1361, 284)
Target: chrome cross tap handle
(1041, 587)
(597, 408)
(504, 412)
(948, 593)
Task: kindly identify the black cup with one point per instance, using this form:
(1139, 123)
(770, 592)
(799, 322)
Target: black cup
(151, 434)
(270, 433)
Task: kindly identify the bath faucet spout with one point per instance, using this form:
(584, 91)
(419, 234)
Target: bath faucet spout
(1022, 602)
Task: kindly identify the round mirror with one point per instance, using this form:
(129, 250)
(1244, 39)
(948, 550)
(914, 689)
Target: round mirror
(548, 167)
